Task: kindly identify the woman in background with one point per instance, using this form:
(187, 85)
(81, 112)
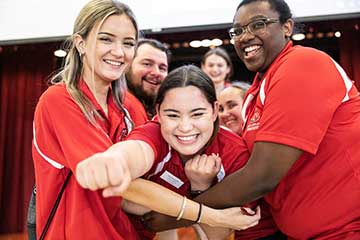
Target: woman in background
(230, 106)
(216, 63)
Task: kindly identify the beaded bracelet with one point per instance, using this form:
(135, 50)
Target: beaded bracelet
(182, 210)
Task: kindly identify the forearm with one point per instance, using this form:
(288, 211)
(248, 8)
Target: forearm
(165, 201)
(268, 164)
(227, 194)
(138, 155)
(222, 195)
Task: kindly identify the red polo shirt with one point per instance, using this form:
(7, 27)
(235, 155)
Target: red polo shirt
(168, 169)
(62, 138)
(305, 100)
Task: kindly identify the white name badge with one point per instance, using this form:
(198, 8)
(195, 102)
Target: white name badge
(171, 179)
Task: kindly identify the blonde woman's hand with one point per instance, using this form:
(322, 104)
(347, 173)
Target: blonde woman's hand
(104, 170)
(201, 170)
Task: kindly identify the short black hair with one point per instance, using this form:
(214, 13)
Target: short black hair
(279, 6)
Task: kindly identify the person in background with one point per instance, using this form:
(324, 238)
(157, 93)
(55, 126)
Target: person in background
(217, 64)
(186, 135)
(230, 105)
(147, 71)
(302, 126)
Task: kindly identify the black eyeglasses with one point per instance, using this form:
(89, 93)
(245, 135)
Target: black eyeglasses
(255, 27)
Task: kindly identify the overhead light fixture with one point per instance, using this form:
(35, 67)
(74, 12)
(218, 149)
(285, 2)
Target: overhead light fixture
(206, 43)
(195, 44)
(320, 35)
(309, 35)
(337, 34)
(298, 37)
(176, 45)
(216, 42)
(226, 41)
(60, 53)
(330, 34)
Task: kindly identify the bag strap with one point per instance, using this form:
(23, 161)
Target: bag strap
(53, 210)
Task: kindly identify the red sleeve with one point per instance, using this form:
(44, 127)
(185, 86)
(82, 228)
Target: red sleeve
(151, 134)
(61, 132)
(301, 97)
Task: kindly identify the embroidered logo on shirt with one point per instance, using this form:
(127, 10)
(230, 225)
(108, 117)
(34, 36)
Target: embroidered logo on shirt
(171, 179)
(254, 120)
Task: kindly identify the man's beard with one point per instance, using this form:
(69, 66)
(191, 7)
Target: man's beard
(148, 100)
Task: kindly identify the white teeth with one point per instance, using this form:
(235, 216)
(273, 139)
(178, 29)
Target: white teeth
(113, 62)
(187, 138)
(251, 48)
(153, 81)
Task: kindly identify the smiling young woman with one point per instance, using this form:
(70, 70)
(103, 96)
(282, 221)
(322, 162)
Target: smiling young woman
(187, 133)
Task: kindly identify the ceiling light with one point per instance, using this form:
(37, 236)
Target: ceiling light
(195, 43)
(298, 37)
(320, 35)
(216, 42)
(337, 34)
(206, 43)
(60, 53)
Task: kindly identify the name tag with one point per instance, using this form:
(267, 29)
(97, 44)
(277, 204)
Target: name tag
(171, 179)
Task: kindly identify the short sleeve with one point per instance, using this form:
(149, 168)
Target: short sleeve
(301, 96)
(151, 134)
(62, 135)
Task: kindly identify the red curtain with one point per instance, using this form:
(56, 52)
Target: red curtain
(350, 54)
(24, 71)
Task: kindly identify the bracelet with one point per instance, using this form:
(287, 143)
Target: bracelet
(182, 210)
(199, 214)
(195, 193)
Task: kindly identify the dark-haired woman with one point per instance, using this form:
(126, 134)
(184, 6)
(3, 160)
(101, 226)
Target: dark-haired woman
(187, 127)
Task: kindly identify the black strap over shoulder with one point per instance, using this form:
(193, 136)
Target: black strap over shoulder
(31, 216)
(56, 204)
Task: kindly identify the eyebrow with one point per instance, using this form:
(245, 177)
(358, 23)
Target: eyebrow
(112, 35)
(230, 101)
(256, 17)
(176, 111)
(152, 61)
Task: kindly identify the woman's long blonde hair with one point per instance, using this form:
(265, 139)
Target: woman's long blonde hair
(95, 11)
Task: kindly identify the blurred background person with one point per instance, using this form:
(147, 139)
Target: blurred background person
(147, 71)
(217, 64)
(230, 106)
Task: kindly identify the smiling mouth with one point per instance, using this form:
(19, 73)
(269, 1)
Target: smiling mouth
(251, 50)
(187, 139)
(152, 81)
(113, 63)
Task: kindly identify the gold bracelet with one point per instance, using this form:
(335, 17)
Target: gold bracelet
(182, 210)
